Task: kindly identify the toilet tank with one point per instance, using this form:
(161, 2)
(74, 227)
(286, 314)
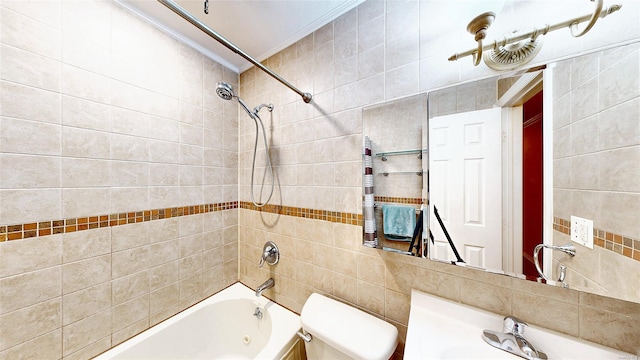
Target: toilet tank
(337, 328)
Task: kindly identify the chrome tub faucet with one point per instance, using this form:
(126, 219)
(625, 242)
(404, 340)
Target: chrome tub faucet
(264, 287)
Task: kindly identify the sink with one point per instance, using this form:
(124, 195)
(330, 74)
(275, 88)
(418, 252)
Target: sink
(442, 329)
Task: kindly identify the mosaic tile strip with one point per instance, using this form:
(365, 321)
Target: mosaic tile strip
(45, 228)
(604, 239)
(331, 216)
(400, 200)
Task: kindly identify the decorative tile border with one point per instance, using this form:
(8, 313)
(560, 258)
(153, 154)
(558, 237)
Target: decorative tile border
(45, 228)
(400, 200)
(331, 216)
(617, 243)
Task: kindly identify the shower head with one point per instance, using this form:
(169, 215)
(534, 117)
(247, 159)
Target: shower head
(225, 91)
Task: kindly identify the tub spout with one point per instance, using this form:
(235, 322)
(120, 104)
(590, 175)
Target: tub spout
(264, 287)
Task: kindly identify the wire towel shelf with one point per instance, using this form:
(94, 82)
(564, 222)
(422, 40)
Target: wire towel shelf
(386, 154)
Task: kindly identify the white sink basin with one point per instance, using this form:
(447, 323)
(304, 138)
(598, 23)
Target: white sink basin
(442, 329)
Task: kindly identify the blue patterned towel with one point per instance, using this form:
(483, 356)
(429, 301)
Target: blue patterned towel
(398, 221)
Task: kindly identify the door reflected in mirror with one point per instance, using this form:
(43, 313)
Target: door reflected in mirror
(486, 175)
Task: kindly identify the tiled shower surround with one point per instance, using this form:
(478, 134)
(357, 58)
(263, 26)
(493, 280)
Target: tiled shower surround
(112, 141)
(102, 115)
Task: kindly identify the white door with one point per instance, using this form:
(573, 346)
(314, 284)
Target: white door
(465, 186)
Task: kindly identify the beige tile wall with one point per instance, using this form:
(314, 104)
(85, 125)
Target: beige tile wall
(101, 113)
(596, 101)
(325, 257)
(393, 128)
(380, 51)
(117, 128)
(597, 175)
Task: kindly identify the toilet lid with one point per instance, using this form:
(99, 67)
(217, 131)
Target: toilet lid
(347, 329)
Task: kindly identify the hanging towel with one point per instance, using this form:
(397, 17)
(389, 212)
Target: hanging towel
(398, 221)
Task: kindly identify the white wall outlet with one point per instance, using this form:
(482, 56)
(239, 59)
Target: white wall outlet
(582, 231)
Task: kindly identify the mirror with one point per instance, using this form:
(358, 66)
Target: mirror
(513, 159)
(394, 160)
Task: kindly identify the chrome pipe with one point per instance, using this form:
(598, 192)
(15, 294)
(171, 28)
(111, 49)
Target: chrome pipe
(246, 108)
(306, 97)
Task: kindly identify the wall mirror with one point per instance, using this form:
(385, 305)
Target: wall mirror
(394, 158)
(515, 162)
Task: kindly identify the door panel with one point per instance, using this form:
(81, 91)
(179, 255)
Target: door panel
(465, 186)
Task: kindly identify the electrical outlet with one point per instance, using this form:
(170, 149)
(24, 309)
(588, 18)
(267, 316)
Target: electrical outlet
(582, 231)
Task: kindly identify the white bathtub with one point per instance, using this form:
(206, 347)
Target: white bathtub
(220, 327)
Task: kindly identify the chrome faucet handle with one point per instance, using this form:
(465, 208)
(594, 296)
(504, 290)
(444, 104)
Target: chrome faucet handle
(270, 254)
(512, 340)
(514, 325)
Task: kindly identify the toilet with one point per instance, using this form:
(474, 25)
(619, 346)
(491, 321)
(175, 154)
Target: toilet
(339, 331)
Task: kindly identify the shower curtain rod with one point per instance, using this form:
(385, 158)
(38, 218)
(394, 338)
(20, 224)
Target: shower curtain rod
(306, 97)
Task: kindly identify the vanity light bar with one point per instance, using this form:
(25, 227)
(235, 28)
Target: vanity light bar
(532, 35)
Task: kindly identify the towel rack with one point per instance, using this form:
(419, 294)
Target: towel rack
(385, 155)
(376, 206)
(419, 173)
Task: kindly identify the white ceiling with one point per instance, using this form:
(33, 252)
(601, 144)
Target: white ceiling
(260, 28)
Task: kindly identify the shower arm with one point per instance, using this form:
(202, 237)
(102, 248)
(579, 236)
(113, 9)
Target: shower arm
(533, 34)
(306, 97)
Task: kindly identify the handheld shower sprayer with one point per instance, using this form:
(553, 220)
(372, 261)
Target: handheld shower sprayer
(225, 91)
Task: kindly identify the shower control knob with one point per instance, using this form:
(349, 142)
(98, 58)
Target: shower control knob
(270, 254)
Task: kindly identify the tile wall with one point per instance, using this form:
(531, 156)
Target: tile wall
(118, 173)
(599, 94)
(381, 51)
(391, 128)
(595, 160)
(94, 123)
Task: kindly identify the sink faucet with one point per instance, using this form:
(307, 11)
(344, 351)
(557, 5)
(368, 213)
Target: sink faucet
(512, 340)
(264, 287)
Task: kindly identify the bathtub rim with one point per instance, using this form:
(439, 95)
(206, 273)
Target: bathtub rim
(228, 293)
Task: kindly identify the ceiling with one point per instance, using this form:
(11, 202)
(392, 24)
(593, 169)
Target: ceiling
(260, 28)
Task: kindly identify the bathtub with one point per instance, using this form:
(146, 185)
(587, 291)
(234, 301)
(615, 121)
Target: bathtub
(221, 327)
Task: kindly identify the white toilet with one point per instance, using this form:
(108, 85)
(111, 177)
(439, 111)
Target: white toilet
(339, 331)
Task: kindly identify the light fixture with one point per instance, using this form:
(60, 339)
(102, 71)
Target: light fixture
(517, 48)
(478, 27)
